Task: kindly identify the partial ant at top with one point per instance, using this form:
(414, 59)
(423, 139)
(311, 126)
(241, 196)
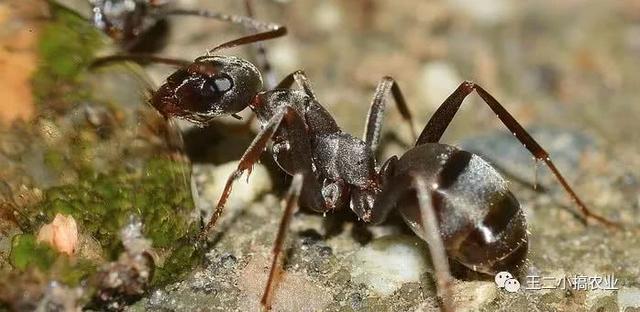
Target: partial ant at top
(451, 198)
(129, 22)
(140, 26)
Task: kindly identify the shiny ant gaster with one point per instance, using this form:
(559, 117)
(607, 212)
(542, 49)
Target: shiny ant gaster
(451, 198)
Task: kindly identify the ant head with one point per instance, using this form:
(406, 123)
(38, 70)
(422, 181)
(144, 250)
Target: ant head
(209, 87)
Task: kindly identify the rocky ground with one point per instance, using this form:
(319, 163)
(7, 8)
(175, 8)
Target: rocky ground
(566, 70)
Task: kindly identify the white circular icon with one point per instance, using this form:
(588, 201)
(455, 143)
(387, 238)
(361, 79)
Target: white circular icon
(512, 285)
(502, 277)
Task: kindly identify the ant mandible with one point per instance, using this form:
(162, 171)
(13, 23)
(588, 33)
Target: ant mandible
(451, 198)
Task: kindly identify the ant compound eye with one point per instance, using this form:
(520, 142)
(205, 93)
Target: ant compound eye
(223, 83)
(217, 85)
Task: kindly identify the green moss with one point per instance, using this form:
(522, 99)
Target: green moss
(185, 256)
(72, 271)
(100, 199)
(103, 203)
(66, 47)
(54, 160)
(26, 252)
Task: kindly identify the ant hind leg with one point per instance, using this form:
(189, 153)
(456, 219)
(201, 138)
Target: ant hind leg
(441, 119)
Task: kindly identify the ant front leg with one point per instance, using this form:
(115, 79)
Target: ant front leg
(441, 119)
(299, 159)
(288, 128)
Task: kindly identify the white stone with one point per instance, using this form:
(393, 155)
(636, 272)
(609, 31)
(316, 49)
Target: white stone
(628, 297)
(284, 56)
(243, 192)
(484, 11)
(385, 264)
(471, 295)
(327, 16)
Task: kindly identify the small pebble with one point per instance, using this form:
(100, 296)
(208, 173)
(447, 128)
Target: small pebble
(487, 12)
(243, 192)
(437, 81)
(385, 264)
(61, 234)
(628, 297)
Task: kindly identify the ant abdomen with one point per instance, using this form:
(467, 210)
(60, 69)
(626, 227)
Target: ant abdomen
(481, 223)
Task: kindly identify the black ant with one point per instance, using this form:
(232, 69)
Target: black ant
(453, 199)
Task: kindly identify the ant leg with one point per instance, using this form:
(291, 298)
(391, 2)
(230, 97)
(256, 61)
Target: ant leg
(300, 78)
(292, 198)
(441, 119)
(248, 22)
(436, 247)
(250, 157)
(297, 154)
(376, 111)
(425, 224)
(267, 30)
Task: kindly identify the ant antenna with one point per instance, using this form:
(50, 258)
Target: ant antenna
(269, 30)
(267, 35)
